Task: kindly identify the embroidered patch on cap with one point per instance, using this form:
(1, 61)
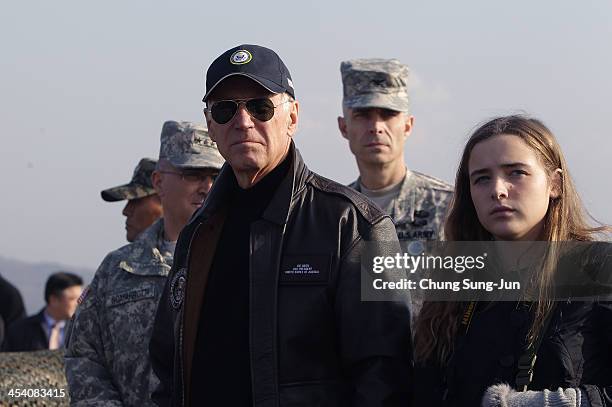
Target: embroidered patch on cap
(241, 57)
(177, 288)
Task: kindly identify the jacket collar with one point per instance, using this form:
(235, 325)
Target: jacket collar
(48, 321)
(147, 258)
(40, 316)
(280, 205)
(403, 207)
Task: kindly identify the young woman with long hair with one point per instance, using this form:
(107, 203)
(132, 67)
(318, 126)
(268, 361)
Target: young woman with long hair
(513, 184)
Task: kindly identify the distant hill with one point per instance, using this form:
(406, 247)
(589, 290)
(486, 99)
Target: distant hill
(30, 278)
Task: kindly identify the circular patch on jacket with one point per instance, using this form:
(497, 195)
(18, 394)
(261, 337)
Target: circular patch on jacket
(177, 288)
(416, 247)
(241, 57)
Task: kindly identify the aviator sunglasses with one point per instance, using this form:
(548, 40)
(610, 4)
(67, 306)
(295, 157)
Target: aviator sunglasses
(261, 109)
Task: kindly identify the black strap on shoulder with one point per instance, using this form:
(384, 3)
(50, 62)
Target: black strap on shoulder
(527, 360)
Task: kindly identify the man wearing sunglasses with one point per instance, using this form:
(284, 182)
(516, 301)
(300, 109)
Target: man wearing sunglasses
(262, 306)
(107, 361)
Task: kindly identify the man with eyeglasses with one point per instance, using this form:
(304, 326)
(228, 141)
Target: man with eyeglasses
(107, 361)
(143, 206)
(262, 306)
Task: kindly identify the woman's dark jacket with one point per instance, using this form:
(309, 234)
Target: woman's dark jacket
(576, 351)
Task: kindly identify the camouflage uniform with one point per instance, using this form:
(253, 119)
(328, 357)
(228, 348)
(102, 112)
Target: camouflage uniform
(107, 361)
(420, 208)
(140, 186)
(107, 348)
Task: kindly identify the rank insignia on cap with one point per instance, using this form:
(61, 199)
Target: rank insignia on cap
(177, 288)
(241, 57)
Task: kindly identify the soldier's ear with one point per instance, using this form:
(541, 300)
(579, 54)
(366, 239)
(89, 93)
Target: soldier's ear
(408, 125)
(342, 126)
(157, 182)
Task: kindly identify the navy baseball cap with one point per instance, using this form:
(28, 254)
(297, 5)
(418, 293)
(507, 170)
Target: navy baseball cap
(258, 63)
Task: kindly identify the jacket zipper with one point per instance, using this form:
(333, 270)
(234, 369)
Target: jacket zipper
(275, 346)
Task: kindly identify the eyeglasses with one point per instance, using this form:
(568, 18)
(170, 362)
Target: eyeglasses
(193, 177)
(261, 109)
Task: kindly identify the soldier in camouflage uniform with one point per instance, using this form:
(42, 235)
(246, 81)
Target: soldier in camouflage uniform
(143, 206)
(107, 358)
(376, 123)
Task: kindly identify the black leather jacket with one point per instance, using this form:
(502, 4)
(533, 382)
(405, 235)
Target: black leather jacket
(313, 341)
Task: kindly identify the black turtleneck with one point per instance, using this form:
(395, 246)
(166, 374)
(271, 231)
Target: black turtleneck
(221, 372)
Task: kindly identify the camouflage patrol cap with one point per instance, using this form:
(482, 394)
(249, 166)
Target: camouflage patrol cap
(139, 187)
(375, 83)
(187, 145)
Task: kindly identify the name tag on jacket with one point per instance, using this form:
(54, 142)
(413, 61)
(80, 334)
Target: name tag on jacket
(305, 269)
(136, 294)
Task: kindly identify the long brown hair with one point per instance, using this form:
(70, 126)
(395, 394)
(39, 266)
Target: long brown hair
(565, 219)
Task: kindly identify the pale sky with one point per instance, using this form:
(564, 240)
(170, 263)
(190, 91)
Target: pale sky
(86, 86)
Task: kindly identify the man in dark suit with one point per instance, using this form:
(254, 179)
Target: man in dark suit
(45, 330)
(1, 330)
(11, 303)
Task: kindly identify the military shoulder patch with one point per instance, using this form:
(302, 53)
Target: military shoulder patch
(177, 288)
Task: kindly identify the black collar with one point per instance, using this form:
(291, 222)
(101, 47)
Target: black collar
(278, 208)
